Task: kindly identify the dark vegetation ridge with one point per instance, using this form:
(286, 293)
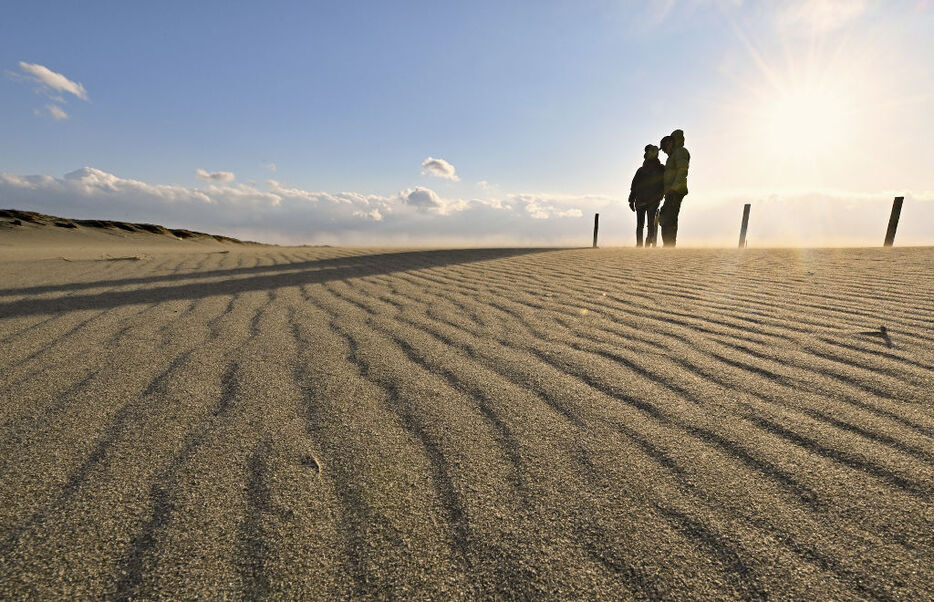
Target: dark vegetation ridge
(15, 218)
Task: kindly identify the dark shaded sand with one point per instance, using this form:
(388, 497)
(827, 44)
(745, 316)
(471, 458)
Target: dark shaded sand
(336, 423)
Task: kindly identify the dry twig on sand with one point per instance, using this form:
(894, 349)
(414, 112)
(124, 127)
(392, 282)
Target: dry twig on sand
(882, 333)
(124, 258)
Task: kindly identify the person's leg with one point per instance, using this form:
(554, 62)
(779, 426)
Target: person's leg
(668, 217)
(651, 216)
(675, 211)
(640, 220)
(663, 220)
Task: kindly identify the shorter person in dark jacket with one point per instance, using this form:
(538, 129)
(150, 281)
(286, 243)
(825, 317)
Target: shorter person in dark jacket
(646, 193)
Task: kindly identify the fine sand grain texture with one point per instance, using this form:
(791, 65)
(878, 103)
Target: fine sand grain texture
(206, 419)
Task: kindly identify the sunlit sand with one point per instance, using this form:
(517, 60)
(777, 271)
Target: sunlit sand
(200, 418)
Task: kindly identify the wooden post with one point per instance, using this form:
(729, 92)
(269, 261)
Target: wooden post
(893, 221)
(742, 229)
(596, 226)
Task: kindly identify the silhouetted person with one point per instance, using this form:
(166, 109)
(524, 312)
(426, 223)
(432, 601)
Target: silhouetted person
(676, 185)
(646, 193)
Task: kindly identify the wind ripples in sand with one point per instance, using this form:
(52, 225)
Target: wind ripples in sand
(526, 423)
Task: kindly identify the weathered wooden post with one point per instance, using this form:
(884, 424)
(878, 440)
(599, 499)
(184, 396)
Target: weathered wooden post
(893, 221)
(742, 229)
(596, 226)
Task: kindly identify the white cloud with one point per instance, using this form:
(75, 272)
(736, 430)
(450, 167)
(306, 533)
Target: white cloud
(492, 202)
(422, 198)
(488, 188)
(339, 198)
(242, 195)
(425, 199)
(57, 112)
(439, 168)
(297, 193)
(97, 185)
(818, 16)
(54, 111)
(548, 206)
(52, 80)
(215, 176)
(271, 167)
(373, 214)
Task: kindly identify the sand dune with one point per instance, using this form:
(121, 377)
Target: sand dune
(513, 423)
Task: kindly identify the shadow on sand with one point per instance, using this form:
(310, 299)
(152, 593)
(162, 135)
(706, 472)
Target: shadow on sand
(242, 279)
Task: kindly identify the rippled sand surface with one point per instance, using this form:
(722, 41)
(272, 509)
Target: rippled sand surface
(458, 424)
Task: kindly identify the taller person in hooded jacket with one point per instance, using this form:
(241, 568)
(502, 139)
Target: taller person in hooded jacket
(675, 185)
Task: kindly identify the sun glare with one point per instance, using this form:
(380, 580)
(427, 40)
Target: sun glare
(802, 103)
(809, 118)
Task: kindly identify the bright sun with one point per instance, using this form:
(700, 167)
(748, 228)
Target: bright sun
(808, 117)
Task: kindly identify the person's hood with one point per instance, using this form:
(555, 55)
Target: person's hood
(677, 137)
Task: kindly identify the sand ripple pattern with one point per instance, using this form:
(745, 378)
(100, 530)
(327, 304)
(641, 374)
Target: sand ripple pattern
(326, 423)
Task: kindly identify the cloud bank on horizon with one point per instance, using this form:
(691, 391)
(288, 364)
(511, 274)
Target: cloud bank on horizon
(279, 213)
(419, 215)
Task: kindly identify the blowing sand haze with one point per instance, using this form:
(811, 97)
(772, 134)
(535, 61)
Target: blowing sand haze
(517, 423)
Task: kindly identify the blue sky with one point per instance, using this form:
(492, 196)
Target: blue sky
(540, 108)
